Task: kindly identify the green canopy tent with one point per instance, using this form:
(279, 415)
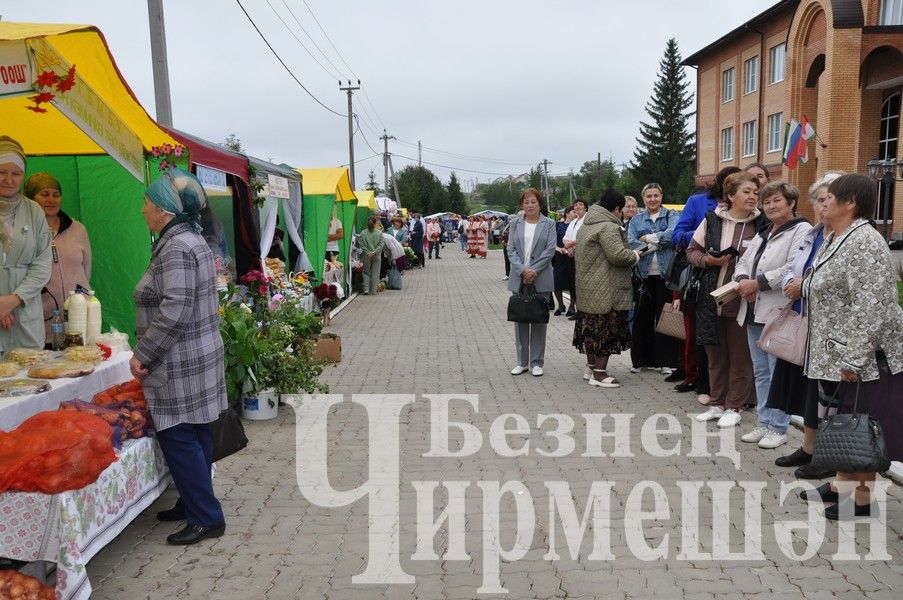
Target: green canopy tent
(366, 206)
(327, 192)
(95, 139)
(283, 203)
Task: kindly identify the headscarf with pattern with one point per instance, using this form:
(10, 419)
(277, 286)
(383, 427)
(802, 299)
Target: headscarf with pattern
(181, 194)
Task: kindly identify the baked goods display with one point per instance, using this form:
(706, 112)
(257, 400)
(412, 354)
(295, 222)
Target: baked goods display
(23, 387)
(28, 356)
(56, 369)
(8, 368)
(85, 354)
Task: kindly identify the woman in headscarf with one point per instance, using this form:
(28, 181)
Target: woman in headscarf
(71, 249)
(179, 354)
(25, 255)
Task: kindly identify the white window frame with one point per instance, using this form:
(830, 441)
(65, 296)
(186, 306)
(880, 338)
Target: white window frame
(727, 144)
(888, 147)
(776, 67)
(727, 85)
(751, 75)
(750, 135)
(775, 132)
(891, 12)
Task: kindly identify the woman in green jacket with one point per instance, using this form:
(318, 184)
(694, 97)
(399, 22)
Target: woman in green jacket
(371, 243)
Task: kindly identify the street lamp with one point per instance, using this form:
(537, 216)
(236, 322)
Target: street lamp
(885, 170)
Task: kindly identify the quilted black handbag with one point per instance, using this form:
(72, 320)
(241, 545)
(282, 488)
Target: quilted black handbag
(850, 442)
(228, 435)
(527, 307)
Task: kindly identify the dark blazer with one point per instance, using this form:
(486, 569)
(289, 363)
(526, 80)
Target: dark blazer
(540, 254)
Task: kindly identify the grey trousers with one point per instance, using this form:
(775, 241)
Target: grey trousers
(371, 272)
(530, 341)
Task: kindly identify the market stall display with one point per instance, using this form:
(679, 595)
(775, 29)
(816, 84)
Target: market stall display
(16, 586)
(60, 368)
(23, 387)
(324, 191)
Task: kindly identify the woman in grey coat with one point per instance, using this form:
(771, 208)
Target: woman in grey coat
(531, 246)
(179, 355)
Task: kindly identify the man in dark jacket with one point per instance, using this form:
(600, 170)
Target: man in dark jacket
(417, 237)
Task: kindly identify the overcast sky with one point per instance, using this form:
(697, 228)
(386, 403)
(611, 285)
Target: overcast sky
(494, 86)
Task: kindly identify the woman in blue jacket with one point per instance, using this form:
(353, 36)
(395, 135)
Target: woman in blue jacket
(653, 229)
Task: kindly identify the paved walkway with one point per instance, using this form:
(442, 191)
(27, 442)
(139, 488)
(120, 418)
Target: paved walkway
(446, 333)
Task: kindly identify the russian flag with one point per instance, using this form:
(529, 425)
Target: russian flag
(807, 132)
(792, 137)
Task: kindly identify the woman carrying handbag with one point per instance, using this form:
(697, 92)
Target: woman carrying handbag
(855, 334)
(531, 246)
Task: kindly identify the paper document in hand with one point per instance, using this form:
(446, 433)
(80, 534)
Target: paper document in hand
(727, 292)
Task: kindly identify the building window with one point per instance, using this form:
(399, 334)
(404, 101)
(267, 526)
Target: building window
(891, 12)
(775, 132)
(727, 85)
(776, 58)
(751, 75)
(749, 138)
(727, 143)
(887, 148)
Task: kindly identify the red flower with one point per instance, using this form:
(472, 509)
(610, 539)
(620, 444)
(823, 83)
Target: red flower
(164, 165)
(155, 151)
(178, 151)
(68, 83)
(262, 290)
(42, 97)
(333, 293)
(46, 79)
(167, 149)
(36, 109)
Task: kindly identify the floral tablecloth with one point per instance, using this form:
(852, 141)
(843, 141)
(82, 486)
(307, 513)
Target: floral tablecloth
(71, 527)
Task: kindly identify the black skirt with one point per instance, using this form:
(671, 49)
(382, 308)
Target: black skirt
(793, 393)
(602, 335)
(881, 400)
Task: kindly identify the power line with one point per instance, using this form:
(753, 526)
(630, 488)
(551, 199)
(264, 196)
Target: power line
(312, 40)
(363, 159)
(300, 43)
(366, 141)
(451, 168)
(471, 157)
(326, 35)
(282, 62)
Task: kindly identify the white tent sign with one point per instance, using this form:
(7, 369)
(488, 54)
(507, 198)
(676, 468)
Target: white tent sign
(213, 180)
(277, 187)
(16, 76)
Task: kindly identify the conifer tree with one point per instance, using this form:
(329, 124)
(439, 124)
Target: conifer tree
(666, 152)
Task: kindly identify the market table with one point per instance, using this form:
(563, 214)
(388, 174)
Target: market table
(110, 372)
(69, 528)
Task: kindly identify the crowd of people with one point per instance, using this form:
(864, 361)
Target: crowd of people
(735, 258)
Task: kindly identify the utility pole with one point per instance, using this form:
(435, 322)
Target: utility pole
(159, 63)
(545, 170)
(419, 154)
(350, 90)
(385, 138)
(394, 182)
(599, 166)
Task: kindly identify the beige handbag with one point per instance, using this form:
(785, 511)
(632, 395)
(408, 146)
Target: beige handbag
(784, 334)
(671, 322)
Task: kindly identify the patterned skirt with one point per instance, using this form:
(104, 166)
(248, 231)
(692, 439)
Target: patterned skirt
(602, 335)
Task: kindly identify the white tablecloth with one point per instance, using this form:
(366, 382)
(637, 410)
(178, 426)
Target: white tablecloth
(108, 373)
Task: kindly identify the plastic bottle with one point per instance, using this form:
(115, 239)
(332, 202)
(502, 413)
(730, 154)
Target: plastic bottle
(92, 320)
(57, 330)
(78, 314)
(66, 305)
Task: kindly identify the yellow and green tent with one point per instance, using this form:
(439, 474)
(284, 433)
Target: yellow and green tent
(327, 191)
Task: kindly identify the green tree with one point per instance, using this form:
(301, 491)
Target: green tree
(665, 150)
(421, 190)
(456, 201)
(372, 185)
(233, 143)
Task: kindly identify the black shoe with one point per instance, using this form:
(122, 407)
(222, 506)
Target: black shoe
(810, 472)
(684, 387)
(176, 513)
(571, 313)
(195, 533)
(822, 492)
(559, 312)
(839, 511)
(677, 375)
(797, 459)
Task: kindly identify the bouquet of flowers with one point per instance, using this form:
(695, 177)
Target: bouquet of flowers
(258, 286)
(327, 296)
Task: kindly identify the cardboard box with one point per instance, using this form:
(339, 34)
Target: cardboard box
(727, 292)
(329, 348)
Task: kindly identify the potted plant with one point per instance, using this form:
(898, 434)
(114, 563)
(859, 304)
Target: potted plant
(243, 346)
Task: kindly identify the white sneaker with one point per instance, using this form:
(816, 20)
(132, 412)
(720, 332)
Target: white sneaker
(517, 370)
(635, 369)
(667, 371)
(755, 435)
(537, 371)
(505, 278)
(587, 373)
(772, 439)
(714, 412)
(730, 418)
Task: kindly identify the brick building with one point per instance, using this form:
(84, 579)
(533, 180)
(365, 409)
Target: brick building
(839, 62)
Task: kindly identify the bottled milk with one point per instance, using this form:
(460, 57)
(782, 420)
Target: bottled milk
(92, 319)
(76, 308)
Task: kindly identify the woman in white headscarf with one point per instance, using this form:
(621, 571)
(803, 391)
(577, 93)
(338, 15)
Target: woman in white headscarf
(25, 255)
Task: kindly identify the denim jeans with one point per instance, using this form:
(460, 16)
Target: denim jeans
(763, 369)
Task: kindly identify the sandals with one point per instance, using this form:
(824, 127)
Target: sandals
(607, 382)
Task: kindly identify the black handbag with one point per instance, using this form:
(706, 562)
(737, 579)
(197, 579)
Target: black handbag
(526, 306)
(675, 269)
(850, 442)
(228, 434)
(690, 285)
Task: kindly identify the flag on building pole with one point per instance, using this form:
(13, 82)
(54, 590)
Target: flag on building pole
(807, 132)
(792, 136)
